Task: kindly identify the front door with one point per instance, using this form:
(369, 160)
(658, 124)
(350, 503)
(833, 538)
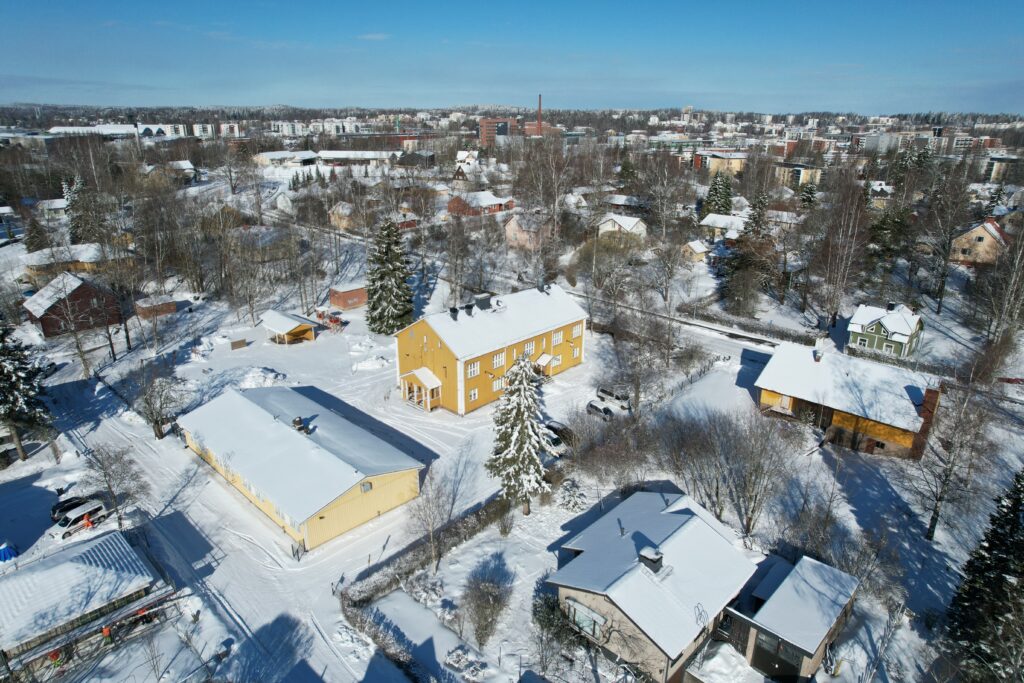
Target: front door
(776, 659)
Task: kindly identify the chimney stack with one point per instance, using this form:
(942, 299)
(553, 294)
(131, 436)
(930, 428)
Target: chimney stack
(651, 558)
(454, 313)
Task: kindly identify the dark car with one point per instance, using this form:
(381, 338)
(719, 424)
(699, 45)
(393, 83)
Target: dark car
(604, 412)
(562, 432)
(62, 506)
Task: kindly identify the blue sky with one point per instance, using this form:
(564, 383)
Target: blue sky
(870, 57)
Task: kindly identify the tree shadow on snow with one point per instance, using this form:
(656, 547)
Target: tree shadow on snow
(275, 653)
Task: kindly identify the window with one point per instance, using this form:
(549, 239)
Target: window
(577, 330)
(965, 252)
(979, 238)
(556, 338)
(586, 620)
(871, 329)
(528, 348)
(499, 360)
(556, 361)
(862, 342)
(888, 348)
(497, 385)
(473, 393)
(473, 369)
(366, 486)
(576, 352)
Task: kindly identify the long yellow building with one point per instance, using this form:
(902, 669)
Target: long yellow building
(866, 405)
(314, 465)
(457, 359)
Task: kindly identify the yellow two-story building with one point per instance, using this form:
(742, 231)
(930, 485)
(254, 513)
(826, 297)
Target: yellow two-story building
(457, 359)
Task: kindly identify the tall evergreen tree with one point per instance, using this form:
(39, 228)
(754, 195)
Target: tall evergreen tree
(518, 439)
(808, 195)
(719, 197)
(997, 198)
(36, 237)
(986, 617)
(757, 222)
(389, 297)
(21, 405)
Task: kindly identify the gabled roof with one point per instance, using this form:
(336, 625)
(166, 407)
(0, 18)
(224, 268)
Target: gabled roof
(701, 568)
(901, 321)
(71, 253)
(283, 323)
(53, 591)
(990, 226)
(510, 318)
(53, 204)
(623, 200)
(626, 223)
(484, 198)
(697, 247)
(883, 393)
(723, 222)
(56, 290)
(807, 604)
(250, 432)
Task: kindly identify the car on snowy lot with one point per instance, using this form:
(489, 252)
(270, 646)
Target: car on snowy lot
(616, 397)
(556, 446)
(562, 432)
(62, 507)
(602, 411)
(88, 514)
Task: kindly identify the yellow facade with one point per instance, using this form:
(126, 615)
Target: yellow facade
(851, 423)
(349, 510)
(729, 166)
(419, 346)
(976, 246)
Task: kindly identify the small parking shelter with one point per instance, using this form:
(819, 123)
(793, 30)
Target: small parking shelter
(287, 328)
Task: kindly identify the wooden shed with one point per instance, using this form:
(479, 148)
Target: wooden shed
(155, 306)
(348, 295)
(287, 328)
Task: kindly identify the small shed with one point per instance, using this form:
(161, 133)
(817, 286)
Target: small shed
(155, 306)
(348, 295)
(695, 251)
(287, 328)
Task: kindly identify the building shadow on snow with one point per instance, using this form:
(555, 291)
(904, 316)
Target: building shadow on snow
(751, 365)
(25, 511)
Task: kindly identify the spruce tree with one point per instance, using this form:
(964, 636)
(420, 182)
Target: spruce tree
(997, 198)
(21, 405)
(757, 223)
(76, 216)
(389, 297)
(719, 197)
(808, 195)
(985, 633)
(518, 439)
(36, 237)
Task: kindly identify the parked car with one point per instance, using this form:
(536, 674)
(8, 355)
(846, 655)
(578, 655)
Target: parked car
(616, 397)
(63, 506)
(555, 445)
(602, 411)
(88, 513)
(562, 432)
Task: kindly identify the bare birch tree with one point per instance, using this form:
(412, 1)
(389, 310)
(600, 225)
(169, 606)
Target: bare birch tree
(114, 471)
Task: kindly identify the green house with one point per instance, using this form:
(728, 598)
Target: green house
(894, 330)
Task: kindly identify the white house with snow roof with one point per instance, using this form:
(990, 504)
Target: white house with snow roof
(314, 465)
(894, 330)
(719, 226)
(629, 225)
(457, 359)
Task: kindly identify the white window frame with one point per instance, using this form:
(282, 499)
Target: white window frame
(366, 486)
(862, 342)
(556, 338)
(498, 361)
(556, 360)
(473, 369)
(889, 348)
(577, 330)
(576, 352)
(528, 348)
(473, 394)
(498, 385)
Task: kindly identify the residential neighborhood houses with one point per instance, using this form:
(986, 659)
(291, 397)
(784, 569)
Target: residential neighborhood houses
(508, 392)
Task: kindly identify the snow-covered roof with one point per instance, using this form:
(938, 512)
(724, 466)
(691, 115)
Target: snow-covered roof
(355, 155)
(427, 378)
(342, 209)
(155, 300)
(806, 605)
(901, 321)
(101, 129)
(250, 432)
(55, 590)
(484, 198)
(879, 392)
(700, 565)
(697, 247)
(6, 211)
(81, 253)
(282, 323)
(723, 222)
(623, 200)
(787, 217)
(58, 288)
(990, 226)
(183, 165)
(53, 204)
(510, 318)
(625, 223)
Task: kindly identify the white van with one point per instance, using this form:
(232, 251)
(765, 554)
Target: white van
(75, 520)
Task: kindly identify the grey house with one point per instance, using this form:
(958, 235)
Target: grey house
(894, 330)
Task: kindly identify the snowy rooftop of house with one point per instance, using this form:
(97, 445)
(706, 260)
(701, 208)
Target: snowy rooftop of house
(81, 253)
(508, 319)
(990, 226)
(879, 392)
(282, 323)
(530, 222)
(53, 591)
(627, 223)
(299, 154)
(343, 209)
(783, 216)
(697, 247)
(155, 300)
(101, 129)
(53, 204)
(58, 288)
(623, 200)
(806, 605)
(900, 320)
(723, 222)
(484, 198)
(700, 565)
(183, 165)
(6, 211)
(355, 155)
(251, 432)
